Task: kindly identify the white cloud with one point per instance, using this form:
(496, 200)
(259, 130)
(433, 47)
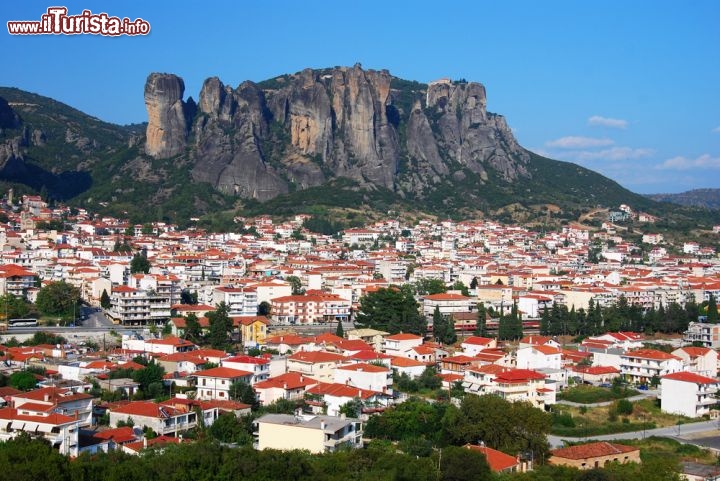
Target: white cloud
(574, 142)
(615, 153)
(607, 122)
(705, 161)
(716, 130)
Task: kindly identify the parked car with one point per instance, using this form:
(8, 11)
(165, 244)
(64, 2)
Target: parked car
(605, 385)
(643, 387)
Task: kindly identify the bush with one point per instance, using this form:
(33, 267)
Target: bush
(563, 419)
(623, 406)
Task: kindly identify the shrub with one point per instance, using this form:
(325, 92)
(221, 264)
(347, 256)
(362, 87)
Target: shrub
(623, 406)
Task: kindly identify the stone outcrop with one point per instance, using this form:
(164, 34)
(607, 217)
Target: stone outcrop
(301, 130)
(167, 124)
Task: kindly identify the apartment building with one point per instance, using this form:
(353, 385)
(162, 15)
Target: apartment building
(316, 434)
(135, 307)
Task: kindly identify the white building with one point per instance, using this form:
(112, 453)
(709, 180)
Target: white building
(641, 365)
(687, 393)
(365, 376)
(317, 434)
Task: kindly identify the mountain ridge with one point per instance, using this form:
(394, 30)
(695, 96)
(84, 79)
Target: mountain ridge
(294, 142)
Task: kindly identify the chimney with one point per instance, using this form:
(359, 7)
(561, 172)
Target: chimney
(284, 385)
(302, 378)
(322, 425)
(144, 443)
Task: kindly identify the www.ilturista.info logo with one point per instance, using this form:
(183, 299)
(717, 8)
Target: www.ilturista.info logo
(57, 22)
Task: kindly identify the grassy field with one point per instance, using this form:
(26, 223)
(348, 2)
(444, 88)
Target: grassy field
(585, 394)
(594, 421)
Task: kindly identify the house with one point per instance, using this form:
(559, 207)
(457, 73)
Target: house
(539, 357)
(687, 393)
(215, 383)
(399, 344)
(253, 329)
(258, 366)
(706, 334)
(700, 360)
(311, 309)
(447, 303)
(594, 455)
(411, 367)
(289, 386)
(365, 376)
(316, 434)
(181, 362)
(167, 345)
(328, 398)
(240, 301)
(510, 384)
(642, 365)
(498, 461)
(319, 365)
(371, 336)
(60, 430)
(537, 341)
(289, 343)
(56, 400)
(474, 344)
(160, 418)
(595, 374)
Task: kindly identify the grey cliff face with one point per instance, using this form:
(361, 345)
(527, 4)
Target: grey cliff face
(167, 125)
(305, 129)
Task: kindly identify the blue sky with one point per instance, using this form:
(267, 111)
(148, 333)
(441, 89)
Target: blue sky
(630, 89)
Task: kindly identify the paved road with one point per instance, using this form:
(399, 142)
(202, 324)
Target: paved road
(678, 432)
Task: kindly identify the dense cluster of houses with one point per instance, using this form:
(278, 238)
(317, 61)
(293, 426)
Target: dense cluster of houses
(500, 265)
(300, 278)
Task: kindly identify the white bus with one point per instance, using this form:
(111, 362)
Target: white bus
(22, 323)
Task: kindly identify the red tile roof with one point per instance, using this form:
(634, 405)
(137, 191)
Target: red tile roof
(592, 450)
(316, 356)
(224, 373)
(690, 377)
(497, 460)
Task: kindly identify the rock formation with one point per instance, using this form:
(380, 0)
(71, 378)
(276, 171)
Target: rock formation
(298, 131)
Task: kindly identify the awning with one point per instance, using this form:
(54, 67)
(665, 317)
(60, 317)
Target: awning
(30, 427)
(475, 388)
(18, 425)
(45, 428)
(466, 384)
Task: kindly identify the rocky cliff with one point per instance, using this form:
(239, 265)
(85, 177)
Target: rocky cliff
(299, 131)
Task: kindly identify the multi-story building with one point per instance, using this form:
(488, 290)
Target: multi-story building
(241, 301)
(700, 360)
(687, 393)
(16, 280)
(215, 383)
(448, 303)
(60, 430)
(510, 384)
(258, 366)
(163, 419)
(311, 309)
(135, 307)
(642, 365)
(365, 376)
(706, 334)
(316, 434)
(319, 365)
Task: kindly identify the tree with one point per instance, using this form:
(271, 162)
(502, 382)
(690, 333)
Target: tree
(139, 264)
(511, 427)
(296, 285)
(58, 299)
(244, 393)
(474, 283)
(339, 329)
(391, 309)
(188, 297)
(481, 326)
(712, 310)
(220, 326)
(28, 458)
(105, 300)
(152, 374)
(426, 287)
(264, 308)
(13, 307)
(462, 464)
(193, 330)
(352, 408)
(23, 380)
(227, 428)
(460, 286)
(443, 328)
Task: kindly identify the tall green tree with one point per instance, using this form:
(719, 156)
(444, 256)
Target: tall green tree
(462, 464)
(295, 284)
(426, 287)
(511, 427)
(139, 264)
(481, 326)
(244, 393)
(13, 307)
(220, 326)
(339, 331)
(58, 299)
(193, 330)
(391, 309)
(712, 310)
(460, 286)
(105, 300)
